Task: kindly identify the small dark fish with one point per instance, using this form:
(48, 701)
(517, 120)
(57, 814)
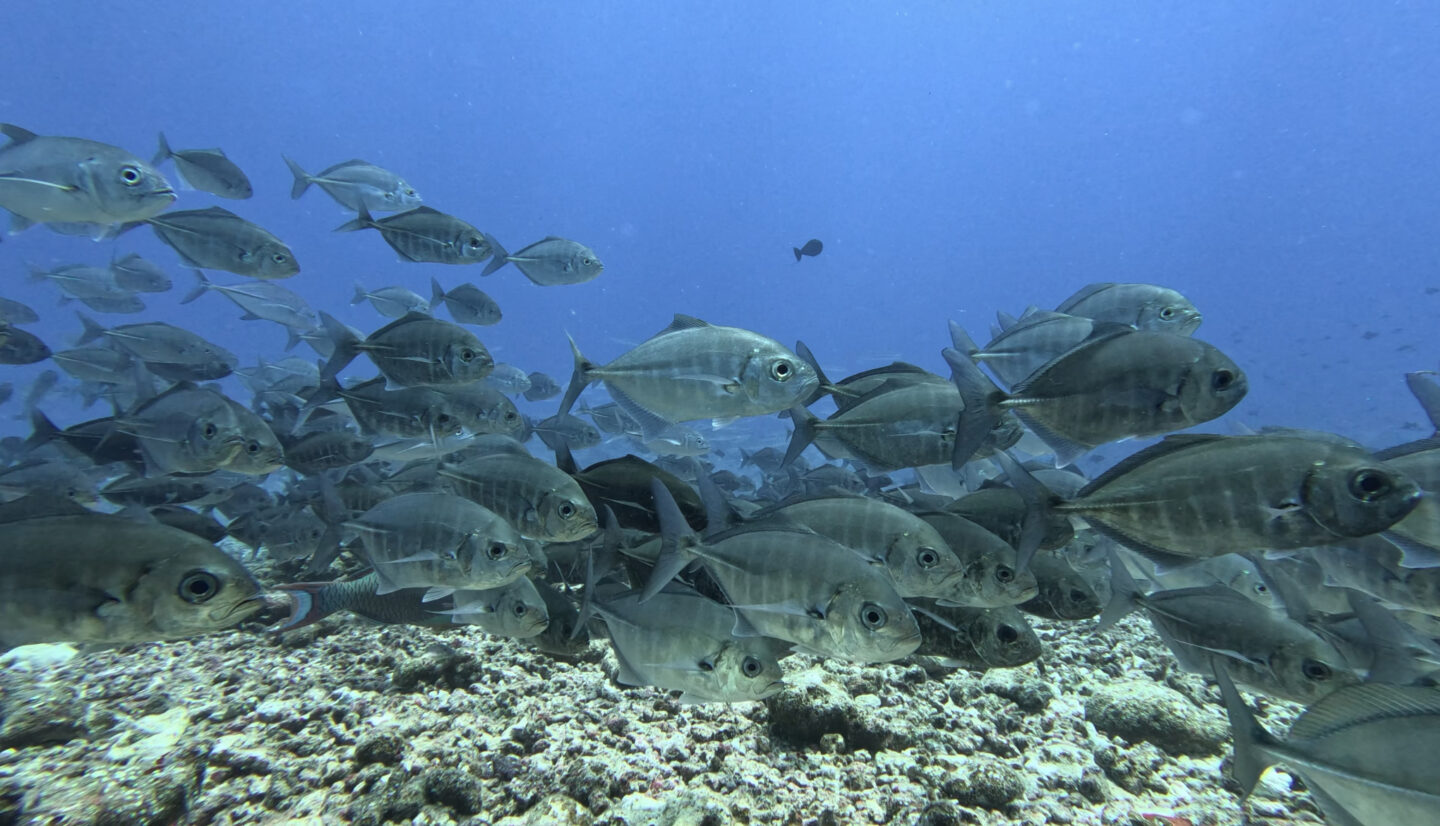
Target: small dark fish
(20, 347)
(207, 170)
(541, 388)
(468, 304)
(218, 239)
(811, 248)
(358, 185)
(549, 262)
(13, 312)
(426, 235)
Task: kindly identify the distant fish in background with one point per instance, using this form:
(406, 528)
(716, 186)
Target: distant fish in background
(812, 248)
(207, 170)
(423, 234)
(468, 304)
(358, 185)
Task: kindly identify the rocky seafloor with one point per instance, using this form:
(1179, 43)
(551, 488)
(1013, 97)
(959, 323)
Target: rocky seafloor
(346, 723)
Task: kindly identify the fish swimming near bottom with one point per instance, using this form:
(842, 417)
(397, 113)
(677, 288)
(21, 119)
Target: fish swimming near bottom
(1363, 752)
(67, 574)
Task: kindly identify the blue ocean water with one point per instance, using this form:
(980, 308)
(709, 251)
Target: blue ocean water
(1273, 162)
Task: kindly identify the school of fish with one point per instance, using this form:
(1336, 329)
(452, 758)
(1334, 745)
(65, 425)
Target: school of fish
(911, 515)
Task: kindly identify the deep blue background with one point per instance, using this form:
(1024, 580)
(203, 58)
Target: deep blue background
(1275, 162)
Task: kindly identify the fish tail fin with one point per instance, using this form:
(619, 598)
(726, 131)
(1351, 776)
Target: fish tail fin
(1124, 591)
(718, 514)
(163, 153)
(796, 250)
(200, 288)
(677, 540)
(347, 346)
(1250, 737)
(307, 605)
(804, 433)
(437, 295)
(595, 568)
(579, 379)
(824, 384)
(979, 415)
(292, 338)
(1427, 392)
(302, 179)
(92, 330)
(362, 220)
(498, 256)
(1039, 506)
(359, 295)
(42, 430)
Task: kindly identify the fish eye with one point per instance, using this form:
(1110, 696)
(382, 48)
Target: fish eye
(873, 616)
(566, 510)
(511, 415)
(1077, 595)
(928, 558)
(1007, 634)
(1167, 313)
(199, 586)
(781, 370)
(467, 354)
(252, 447)
(1222, 379)
(1005, 573)
(1315, 670)
(497, 550)
(705, 665)
(280, 258)
(1369, 484)
(209, 430)
(130, 175)
(476, 243)
(589, 262)
(751, 667)
(410, 193)
(519, 609)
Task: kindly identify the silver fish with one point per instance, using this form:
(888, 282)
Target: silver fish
(391, 302)
(549, 262)
(135, 273)
(681, 641)
(1359, 750)
(208, 170)
(423, 234)
(1142, 306)
(468, 304)
(438, 541)
(413, 350)
(358, 185)
(694, 370)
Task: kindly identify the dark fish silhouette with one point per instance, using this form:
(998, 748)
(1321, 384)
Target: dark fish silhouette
(811, 248)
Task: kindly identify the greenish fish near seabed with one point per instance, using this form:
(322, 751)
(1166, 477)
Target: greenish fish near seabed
(67, 574)
(1366, 752)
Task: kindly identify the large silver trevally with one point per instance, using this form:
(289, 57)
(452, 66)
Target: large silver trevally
(1365, 752)
(49, 179)
(70, 575)
(694, 370)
